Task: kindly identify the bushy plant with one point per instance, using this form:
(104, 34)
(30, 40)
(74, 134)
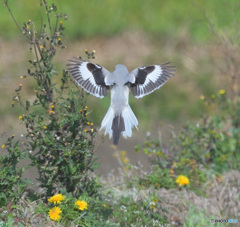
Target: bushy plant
(11, 183)
(59, 138)
(200, 150)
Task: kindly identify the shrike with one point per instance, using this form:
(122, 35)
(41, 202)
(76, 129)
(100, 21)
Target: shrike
(97, 81)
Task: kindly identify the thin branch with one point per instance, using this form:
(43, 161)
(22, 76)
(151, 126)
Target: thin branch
(41, 29)
(6, 4)
(56, 25)
(88, 163)
(34, 46)
(49, 22)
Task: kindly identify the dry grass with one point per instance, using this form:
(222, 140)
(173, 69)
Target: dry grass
(221, 200)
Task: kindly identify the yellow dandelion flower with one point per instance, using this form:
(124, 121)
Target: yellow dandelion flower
(88, 123)
(52, 106)
(54, 213)
(86, 50)
(58, 198)
(50, 112)
(85, 114)
(85, 130)
(20, 117)
(27, 26)
(41, 47)
(81, 205)
(92, 129)
(3, 146)
(91, 124)
(31, 134)
(21, 77)
(221, 92)
(59, 39)
(60, 22)
(182, 180)
(44, 127)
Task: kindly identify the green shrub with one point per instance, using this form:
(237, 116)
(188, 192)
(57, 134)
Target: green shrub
(200, 151)
(59, 138)
(11, 183)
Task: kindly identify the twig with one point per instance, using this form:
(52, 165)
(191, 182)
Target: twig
(49, 22)
(88, 163)
(78, 218)
(6, 4)
(34, 46)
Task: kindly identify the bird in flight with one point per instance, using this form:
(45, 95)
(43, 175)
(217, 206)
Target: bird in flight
(97, 81)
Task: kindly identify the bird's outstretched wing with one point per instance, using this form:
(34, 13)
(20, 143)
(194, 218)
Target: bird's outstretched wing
(147, 79)
(91, 77)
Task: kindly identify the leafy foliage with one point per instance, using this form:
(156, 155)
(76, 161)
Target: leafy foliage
(11, 183)
(59, 137)
(130, 212)
(201, 150)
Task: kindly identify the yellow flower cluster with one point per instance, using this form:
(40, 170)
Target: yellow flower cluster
(56, 199)
(182, 180)
(50, 112)
(81, 205)
(221, 92)
(54, 213)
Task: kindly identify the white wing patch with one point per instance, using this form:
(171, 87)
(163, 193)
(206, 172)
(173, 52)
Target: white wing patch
(91, 77)
(150, 78)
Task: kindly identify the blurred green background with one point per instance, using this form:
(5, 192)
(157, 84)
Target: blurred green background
(106, 17)
(188, 33)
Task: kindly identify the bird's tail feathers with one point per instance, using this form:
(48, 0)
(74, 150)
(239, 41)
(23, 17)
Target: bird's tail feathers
(130, 121)
(107, 122)
(117, 123)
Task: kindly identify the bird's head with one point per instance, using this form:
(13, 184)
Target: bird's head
(121, 69)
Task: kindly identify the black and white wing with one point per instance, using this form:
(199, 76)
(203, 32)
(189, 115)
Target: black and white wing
(149, 78)
(91, 77)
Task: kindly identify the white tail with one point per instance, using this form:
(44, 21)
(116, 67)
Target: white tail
(117, 123)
